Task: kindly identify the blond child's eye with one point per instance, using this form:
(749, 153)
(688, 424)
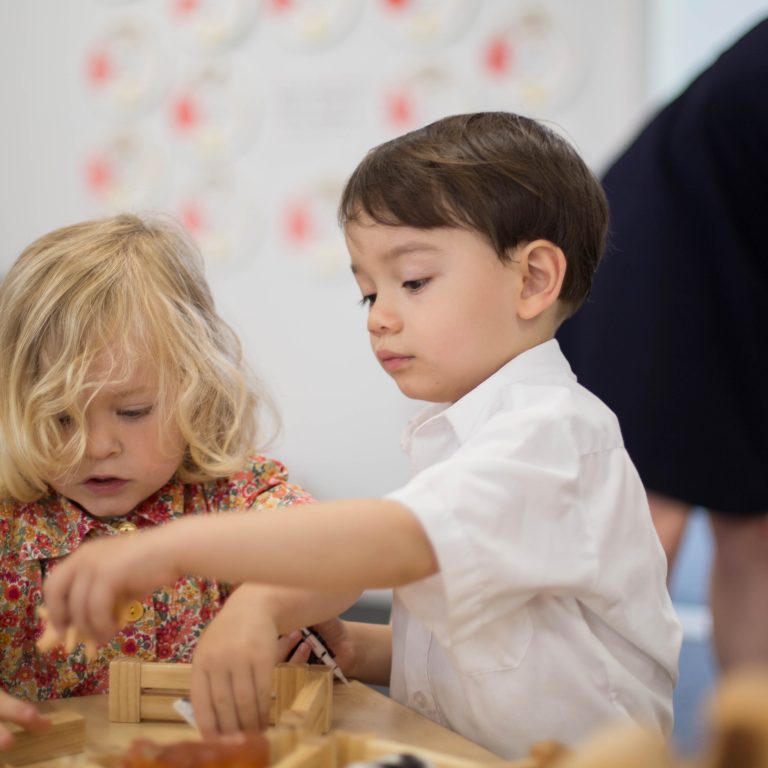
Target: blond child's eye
(415, 285)
(134, 413)
(64, 419)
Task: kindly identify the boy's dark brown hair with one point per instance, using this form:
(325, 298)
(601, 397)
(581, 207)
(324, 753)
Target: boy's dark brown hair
(505, 176)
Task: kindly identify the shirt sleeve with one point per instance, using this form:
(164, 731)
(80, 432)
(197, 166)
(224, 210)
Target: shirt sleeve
(506, 519)
(262, 484)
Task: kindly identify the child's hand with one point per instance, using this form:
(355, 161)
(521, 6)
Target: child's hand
(87, 590)
(337, 640)
(235, 658)
(20, 712)
(232, 667)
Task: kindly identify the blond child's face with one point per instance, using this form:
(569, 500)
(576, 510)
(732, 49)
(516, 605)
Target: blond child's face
(131, 451)
(441, 306)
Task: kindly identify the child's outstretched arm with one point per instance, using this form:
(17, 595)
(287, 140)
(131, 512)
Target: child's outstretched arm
(337, 546)
(20, 712)
(233, 662)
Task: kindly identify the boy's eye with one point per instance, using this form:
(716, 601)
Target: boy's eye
(367, 300)
(134, 413)
(416, 285)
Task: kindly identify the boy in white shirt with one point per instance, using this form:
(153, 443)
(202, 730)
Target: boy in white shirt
(530, 599)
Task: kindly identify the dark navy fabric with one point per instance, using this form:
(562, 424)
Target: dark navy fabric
(674, 336)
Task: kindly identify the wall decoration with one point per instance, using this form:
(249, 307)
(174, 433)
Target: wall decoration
(126, 173)
(228, 230)
(420, 96)
(125, 68)
(534, 62)
(311, 24)
(213, 115)
(309, 229)
(214, 25)
(425, 24)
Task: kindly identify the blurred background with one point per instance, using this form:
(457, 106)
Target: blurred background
(243, 118)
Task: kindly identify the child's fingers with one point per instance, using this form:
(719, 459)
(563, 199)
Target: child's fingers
(286, 644)
(223, 701)
(245, 694)
(301, 654)
(55, 595)
(202, 703)
(100, 609)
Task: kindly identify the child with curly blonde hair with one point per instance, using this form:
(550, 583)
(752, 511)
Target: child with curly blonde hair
(125, 403)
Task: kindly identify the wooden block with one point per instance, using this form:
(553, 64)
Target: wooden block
(125, 691)
(175, 678)
(281, 742)
(159, 706)
(65, 737)
(312, 705)
(303, 694)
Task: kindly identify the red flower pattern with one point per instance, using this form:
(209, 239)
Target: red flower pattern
(36, 536)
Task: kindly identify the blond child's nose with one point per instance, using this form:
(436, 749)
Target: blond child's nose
(101, 443)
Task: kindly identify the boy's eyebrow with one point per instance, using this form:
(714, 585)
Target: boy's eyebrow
(402, 249)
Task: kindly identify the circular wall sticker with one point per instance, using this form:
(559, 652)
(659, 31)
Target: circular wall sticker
(425, 24)
(125, 68)
(309, 24)
(214, 25)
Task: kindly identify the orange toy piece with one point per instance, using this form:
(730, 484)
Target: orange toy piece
(252, 752)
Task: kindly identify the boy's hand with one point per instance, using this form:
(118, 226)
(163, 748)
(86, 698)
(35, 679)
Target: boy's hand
(22, 713)
(337, 640)
(88, 588)
(232, 668)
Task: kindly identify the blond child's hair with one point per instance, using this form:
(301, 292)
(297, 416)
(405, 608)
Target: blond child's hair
(130, 290)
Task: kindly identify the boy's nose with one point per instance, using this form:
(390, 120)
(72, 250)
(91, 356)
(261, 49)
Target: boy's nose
(383, 318)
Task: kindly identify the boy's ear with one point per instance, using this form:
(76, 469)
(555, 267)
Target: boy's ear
(543, 267)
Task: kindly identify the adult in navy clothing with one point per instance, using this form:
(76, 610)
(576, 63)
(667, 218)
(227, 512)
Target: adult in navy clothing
(674, 337)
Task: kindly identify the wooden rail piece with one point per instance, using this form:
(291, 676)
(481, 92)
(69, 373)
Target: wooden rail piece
(341, 748)
(303, 693)
(360, 747)
(66, 736)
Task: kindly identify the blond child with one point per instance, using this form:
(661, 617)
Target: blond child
(530, 599)
(124, 404)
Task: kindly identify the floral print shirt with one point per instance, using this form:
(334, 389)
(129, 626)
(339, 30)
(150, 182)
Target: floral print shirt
(165, 626)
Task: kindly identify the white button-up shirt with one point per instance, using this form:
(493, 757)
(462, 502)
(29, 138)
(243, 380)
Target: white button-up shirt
(550, 615)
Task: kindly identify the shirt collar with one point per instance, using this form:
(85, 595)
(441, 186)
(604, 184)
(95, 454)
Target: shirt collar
(540, 362)
(54, 526)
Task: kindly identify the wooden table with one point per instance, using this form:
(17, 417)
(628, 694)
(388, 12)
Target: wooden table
(355, 708)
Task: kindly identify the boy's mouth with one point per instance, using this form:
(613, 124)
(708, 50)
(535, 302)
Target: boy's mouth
(392, 361)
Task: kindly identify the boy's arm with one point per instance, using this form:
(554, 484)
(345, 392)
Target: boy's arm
(234, 659)
(339, 546)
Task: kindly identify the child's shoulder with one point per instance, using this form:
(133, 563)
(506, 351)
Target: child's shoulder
(561, 408)
(262, 481)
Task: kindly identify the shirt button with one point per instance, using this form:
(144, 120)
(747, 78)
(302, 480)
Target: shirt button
(419, 700)
(126, 527)
(134, 611)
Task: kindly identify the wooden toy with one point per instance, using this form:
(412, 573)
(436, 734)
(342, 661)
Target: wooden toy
(303, 693)
(66, 736)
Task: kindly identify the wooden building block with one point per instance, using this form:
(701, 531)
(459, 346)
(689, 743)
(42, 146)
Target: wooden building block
(124, 691)
(303, 693)
(66, 736)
